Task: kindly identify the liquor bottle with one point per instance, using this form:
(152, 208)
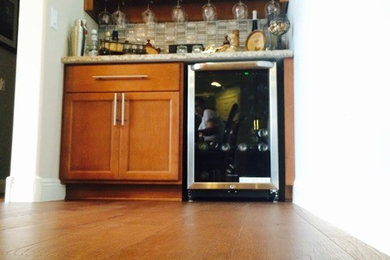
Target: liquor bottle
(126, 47)
(114, 42)
(85, 37)
(105, 45)
(226, 42)
(254, 21)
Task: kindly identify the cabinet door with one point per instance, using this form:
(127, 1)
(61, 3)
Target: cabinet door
(149, 142)
(90, 139)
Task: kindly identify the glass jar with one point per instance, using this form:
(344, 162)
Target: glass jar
(197, 48)
(181, 49)
(278, 26)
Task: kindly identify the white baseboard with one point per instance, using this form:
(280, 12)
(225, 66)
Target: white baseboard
(36, 189)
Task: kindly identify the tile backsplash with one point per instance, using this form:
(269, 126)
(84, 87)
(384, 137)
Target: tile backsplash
(164, 34)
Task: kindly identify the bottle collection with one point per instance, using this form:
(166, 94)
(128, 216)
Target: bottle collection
(111, 45)
(266, 37)
(85, 43)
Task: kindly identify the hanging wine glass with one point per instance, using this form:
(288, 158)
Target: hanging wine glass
(209, 12)
(104, 16)
(178, 13)
(272, 9)
(119, 17)
(148, 16)
(240, 10)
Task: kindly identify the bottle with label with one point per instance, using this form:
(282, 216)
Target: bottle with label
(126, 47)
(105, 44)
(113, 42)
(254, 21)
(119, 45)
(116, 47)
(235, 39)
(93, 46)
(85, 37)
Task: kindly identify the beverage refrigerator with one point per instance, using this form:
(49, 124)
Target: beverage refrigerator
(233, 146)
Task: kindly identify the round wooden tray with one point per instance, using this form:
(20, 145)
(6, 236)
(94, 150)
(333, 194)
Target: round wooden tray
(255, 41)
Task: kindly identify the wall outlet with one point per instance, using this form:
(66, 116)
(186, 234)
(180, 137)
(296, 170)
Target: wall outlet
(2, 84)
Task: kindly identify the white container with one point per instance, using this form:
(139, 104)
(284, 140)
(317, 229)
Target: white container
(93, 48)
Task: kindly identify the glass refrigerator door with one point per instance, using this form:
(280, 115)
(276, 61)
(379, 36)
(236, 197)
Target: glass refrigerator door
(234, 133)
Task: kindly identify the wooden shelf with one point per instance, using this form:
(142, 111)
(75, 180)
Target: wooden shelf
(162, 8)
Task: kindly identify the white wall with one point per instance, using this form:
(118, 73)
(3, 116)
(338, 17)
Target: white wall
(342, 110)
(38, 100)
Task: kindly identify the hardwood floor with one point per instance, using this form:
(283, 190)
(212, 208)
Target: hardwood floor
(171, 230)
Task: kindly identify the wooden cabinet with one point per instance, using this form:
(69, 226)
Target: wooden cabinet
(144, 146)
(289, 127)
(122, 130)
(122, 124)
(149, 138)
(163, 8)
(90, 141)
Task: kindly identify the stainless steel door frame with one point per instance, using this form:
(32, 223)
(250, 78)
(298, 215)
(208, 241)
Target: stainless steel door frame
(273, 107)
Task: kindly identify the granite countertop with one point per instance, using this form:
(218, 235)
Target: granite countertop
(186, 57)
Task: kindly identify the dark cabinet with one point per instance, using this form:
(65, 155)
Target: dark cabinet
(162, 9)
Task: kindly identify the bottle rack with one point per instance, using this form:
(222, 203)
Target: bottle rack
(164, 34)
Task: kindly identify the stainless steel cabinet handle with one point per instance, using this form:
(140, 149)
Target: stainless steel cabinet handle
(123, 110)
(114, 108)
(108, 77)
(238, 65)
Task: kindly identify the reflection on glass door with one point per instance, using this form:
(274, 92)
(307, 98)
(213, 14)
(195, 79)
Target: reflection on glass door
(232, 126)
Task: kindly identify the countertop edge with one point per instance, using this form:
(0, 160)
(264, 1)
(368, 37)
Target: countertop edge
(187, 57)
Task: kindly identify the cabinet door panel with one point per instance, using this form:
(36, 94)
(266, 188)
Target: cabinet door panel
(150, 137)
(90, 139)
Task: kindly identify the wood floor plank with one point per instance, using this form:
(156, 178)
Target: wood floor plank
(170, 230)
(54, 214)
(86, 243)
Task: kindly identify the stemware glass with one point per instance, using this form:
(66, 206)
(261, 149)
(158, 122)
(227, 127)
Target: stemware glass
(104, 16)
(119, 17)
(272, 8)
(148, 16)
(178, 13)
(209, 12)
(240, 10)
